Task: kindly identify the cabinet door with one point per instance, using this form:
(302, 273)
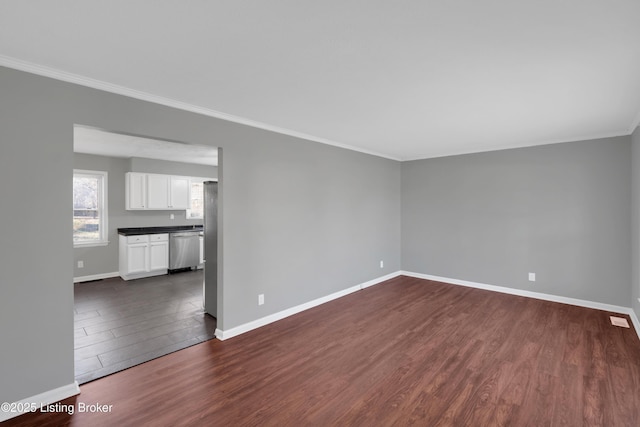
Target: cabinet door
(180, 194)
(137, 258)
(158, 256)
(157, 191)
(136, 190)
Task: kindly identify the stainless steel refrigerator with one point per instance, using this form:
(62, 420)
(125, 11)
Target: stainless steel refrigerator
(211, 248)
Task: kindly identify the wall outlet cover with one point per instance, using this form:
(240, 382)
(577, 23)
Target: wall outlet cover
(80, 264)
(532, 277)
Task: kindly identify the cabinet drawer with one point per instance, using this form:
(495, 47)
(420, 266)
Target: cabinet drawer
(138, 239)
(159, 237)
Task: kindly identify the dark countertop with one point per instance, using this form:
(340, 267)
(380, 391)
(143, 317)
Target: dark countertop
(136, 231)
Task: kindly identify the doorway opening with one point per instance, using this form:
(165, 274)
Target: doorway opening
(128, 308)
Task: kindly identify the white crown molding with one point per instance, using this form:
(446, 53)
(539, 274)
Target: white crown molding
(53, 73)
(526, 145)
(40, 400)
(249, 326)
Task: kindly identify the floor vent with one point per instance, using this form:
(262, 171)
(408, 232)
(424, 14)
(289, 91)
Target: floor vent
(619, 321)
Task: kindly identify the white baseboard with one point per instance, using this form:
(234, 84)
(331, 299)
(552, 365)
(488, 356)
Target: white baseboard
(42, 399)
(536, 295)
(379, 280)
(95, 277)
(635, 321)
(230, 333)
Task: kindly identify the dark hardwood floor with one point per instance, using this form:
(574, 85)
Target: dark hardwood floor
(405, 352)
(120, 324)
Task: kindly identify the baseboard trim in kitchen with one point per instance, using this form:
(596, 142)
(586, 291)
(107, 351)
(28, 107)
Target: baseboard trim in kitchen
(537, 295)
(249, 326)
(95, 277)
(41, 400)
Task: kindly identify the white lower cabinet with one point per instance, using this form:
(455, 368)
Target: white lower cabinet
(137, 255)
(158, 252)
(143, 255)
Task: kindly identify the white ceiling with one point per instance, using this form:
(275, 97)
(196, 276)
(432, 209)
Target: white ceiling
(102, 143)
(402, 79)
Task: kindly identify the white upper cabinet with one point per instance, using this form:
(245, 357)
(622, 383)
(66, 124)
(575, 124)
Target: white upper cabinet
(157, 191)
(179, 192)
(136, 190)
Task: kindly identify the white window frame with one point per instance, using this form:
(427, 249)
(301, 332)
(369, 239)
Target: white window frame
(103, 211)
(197, 180)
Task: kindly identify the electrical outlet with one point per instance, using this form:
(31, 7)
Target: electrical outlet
(172, 216)
(80, 264)
(260, 299)
(532, 277)
(381, 264)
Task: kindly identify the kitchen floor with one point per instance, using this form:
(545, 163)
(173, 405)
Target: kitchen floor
(120, 324)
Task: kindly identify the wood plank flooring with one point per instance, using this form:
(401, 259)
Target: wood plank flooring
(120, 324)
(405, 352)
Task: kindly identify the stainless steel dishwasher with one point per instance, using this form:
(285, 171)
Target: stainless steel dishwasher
(184, 249)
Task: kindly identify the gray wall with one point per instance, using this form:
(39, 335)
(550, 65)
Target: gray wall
(300, 220)
(635, 253)
(306, 220)
(562, 211)
(104, 259)
(36, 304)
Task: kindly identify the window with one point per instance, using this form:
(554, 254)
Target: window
(197, 200)
(89, 208)
(196, 207)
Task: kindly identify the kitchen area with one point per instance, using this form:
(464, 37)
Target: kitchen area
(140, 293)
(153, 251)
